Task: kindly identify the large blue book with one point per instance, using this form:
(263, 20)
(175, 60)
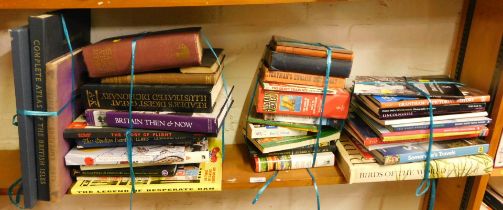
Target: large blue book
(20, 45)
(442, 149)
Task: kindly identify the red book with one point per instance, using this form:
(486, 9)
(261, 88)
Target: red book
(303, 104)
(154, 51)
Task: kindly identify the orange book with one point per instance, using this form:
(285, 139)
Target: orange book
(311, 52)
(300, 78)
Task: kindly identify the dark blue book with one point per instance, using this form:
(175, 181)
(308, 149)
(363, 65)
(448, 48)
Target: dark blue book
(306, 64)
(417, 152)
(48, 41)
(20, 45)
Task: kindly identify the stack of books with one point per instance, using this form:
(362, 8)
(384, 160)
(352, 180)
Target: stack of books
(282, 129)
(178, 104)
(388, 130)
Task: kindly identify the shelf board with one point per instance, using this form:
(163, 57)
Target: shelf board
(237, 173)
(9, 169)
(497, 172)
(104, 4)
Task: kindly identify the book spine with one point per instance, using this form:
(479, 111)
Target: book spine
(299, 119)
(435, 102)
(303, 104)
(289, 162)
(157, 171)
(312, 53)
(323, 147)
(38, 60)
(86, 143)
(302, 127)
(164, 78)
(438, 125)
(148, 98)
(397, 113)
(153, 52)
(20, 46)
(110, 132)
(272, 131)
(426, 132)
(168, 122)
(437, 154)
(292, 88)
(301, 79)
(307, 64)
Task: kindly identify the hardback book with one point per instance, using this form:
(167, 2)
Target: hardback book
(259, 119)
(266, 131)
(176, 98)
(60, 94)
(167, 77)
(267, 145)
(368, 138)
(20, 45)
(47, 41)
(442, 149)
(290, 162)
(303, 104)
(209, 63)
(472, 121)
(309, 149)
(358, 170)
(306, 64)
(177, 174)
(387, 135)
(85, 136)
(407, 86)
(470, 96)
(292, 46)
(166, 154)
(182, 122)
(423, 111)
(436, 118)
(286, 77)
(210, 176)
(154, 51)
(302, 119)
(148, 171)
(296, 88)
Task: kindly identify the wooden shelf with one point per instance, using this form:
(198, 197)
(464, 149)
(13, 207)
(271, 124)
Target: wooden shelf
(9, 169)
(237, 173)
(497, 172)
(104, 4)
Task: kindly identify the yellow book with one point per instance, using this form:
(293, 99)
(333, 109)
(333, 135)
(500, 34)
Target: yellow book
(435, 135)
(210, 179)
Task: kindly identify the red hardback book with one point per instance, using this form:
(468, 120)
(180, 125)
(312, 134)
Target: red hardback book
(154, 51)
(303, 104)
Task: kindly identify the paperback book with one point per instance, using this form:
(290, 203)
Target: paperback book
(267, 145)
(266, 131)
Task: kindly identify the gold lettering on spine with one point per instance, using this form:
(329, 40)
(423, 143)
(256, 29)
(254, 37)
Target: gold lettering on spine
(93, 99)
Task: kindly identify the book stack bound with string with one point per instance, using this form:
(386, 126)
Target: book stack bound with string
(389, 130)
(171, 109)
(284, 128)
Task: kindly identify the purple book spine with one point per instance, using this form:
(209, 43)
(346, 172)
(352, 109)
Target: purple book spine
(184, 123)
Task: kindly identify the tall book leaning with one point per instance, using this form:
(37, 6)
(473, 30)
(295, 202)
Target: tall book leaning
(20, 45)
(357, 169)
(210, 179)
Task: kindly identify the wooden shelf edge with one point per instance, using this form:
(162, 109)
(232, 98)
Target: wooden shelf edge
(109, 4)
(497, 172)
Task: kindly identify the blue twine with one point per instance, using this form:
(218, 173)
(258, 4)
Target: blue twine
(262, 190)
(129, 141)
(70, 48)
(208, 43)
(10, 192)
(315, 189)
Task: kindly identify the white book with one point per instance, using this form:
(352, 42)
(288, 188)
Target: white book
(165, 154)
(358, 170)
(255, 131)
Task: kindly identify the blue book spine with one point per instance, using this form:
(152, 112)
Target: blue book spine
(440, 125)
(20, 45)
(444, 153)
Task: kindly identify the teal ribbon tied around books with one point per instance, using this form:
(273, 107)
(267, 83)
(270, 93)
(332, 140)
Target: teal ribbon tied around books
(318, 134)
(16, 201)
(426, 183)
(129, 141)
